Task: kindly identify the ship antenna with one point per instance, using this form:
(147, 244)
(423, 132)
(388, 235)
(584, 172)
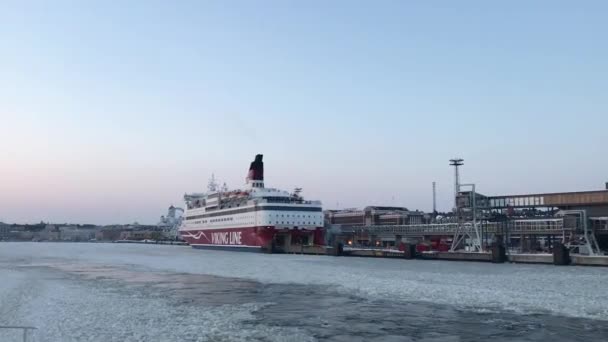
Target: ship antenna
(212, 185)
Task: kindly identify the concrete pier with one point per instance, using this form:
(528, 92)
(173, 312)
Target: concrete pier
(531, 258)
(497, 254)
(305, 249)
(375, 253)
(457, 256)
(586, 260)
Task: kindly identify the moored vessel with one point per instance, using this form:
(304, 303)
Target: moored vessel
(254, 218)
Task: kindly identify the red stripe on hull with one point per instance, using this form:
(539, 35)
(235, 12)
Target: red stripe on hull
(245, 237)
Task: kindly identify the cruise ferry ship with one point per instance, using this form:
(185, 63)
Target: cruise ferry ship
(255, 218)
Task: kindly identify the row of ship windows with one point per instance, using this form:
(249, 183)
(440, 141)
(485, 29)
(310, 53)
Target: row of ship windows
(249, 217)
(289, 215)
(269, 222)
(224, 219)
(230, 219)
(214, 220)
(252, 209)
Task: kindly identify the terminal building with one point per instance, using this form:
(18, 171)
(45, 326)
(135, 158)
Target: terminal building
(540, 219)
(595, 203)
(525, 223)
(348, 225)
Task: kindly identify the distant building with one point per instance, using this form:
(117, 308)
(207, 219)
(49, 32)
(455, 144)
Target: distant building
(16, 232)
(170, 223)
(76, 233)
(148, 234)
(24, 235)
(174, 216)
(108, 233)
(131, 232)
(49, 233)
(4, 231)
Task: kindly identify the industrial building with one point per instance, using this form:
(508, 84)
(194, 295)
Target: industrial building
(525, 223)
(595, 203)
(538, 220)
(345, 224)
(375, 215)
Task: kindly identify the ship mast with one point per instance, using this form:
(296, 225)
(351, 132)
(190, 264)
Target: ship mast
(212, 185)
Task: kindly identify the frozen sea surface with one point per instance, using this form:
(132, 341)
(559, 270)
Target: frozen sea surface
(116, 292)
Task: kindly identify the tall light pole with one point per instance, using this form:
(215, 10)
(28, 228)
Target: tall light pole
(434, 197)
(456, 162)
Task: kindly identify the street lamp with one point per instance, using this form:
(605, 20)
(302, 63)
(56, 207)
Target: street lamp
(456, 162)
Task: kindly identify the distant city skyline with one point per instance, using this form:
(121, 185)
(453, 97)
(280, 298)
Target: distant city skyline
(111, 112)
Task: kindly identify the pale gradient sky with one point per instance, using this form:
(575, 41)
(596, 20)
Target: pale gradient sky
(111, 110)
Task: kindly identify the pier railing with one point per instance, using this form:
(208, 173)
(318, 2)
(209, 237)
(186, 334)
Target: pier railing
(538, 226)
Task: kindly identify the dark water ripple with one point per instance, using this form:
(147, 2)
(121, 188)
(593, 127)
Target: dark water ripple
(92, 302)
(325, 314)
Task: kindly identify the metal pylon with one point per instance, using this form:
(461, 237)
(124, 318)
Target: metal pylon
(469, 230)
(469, 233)
(587, 240)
